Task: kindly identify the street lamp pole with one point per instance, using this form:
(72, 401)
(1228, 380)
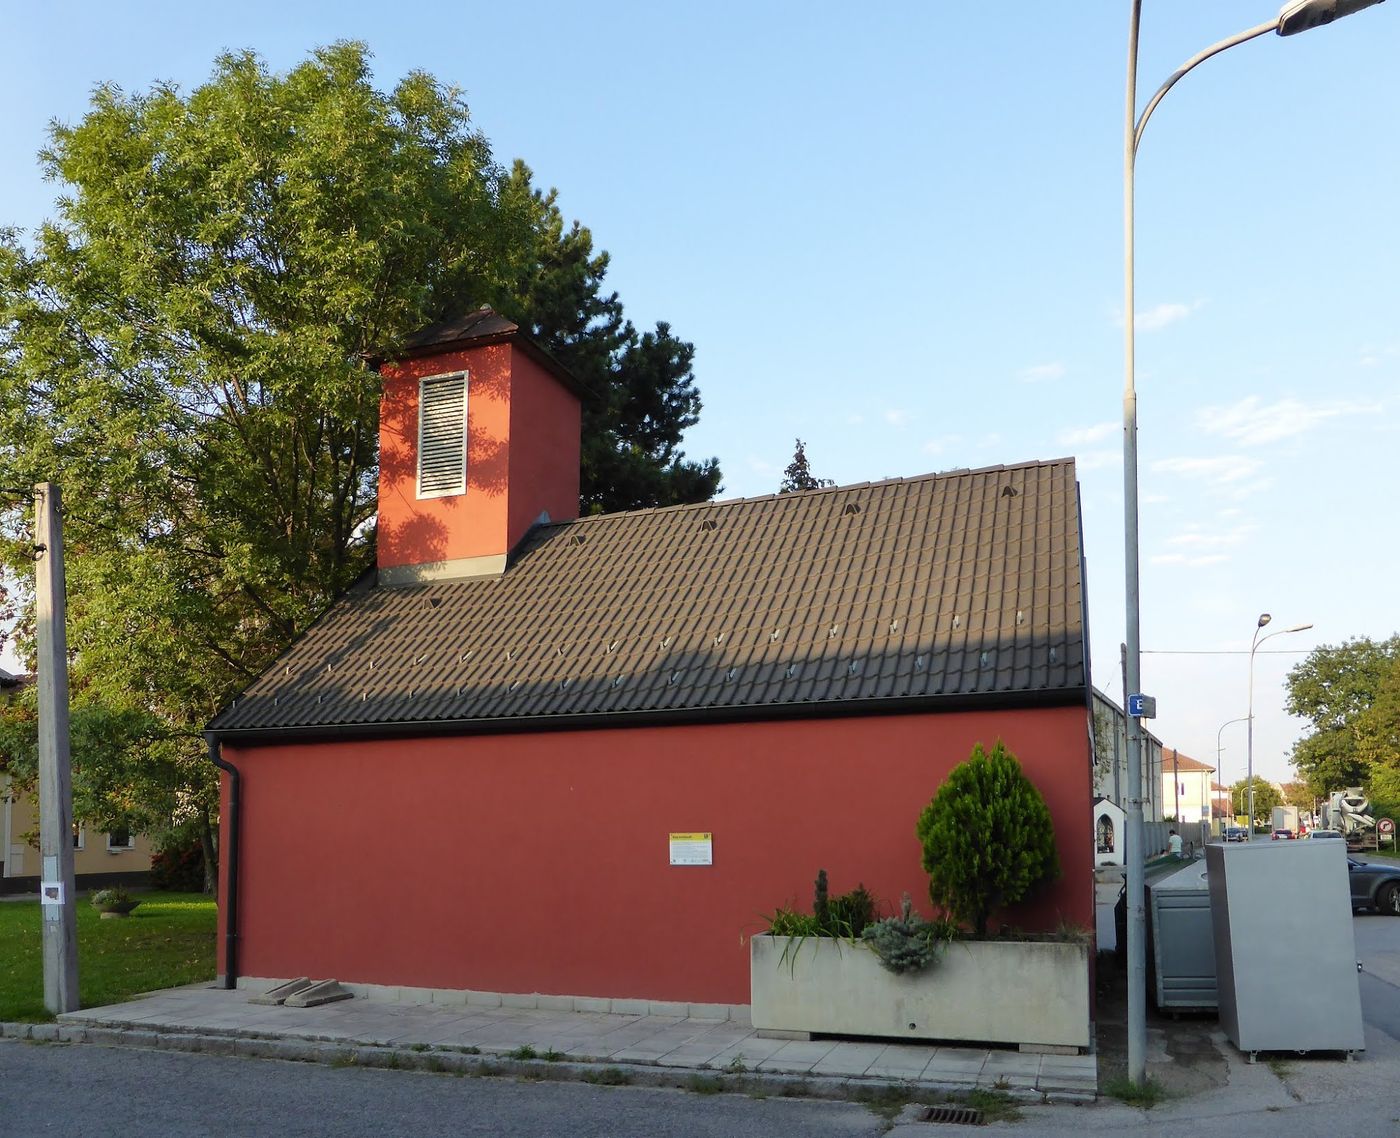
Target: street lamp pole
(1264, 619)
(1296, 16)
(1219, 766)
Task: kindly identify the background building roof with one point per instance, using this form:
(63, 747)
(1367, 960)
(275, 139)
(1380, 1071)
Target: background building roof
(960, 587)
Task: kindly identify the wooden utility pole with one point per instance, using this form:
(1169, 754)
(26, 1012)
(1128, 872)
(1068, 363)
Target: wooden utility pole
(55, 780)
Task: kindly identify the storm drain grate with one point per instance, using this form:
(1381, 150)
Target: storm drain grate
(965, 1115)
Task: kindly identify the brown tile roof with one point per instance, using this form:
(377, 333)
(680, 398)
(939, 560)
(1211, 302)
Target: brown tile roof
(959, 587)
(1183, 762)
(484, 325)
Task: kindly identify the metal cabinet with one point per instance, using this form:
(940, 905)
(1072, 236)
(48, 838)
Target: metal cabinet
(1285, 951)
(1181, 942)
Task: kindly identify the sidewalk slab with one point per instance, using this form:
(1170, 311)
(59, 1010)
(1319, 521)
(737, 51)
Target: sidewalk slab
(432, 1033)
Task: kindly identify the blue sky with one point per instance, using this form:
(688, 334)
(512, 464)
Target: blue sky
(897, 234)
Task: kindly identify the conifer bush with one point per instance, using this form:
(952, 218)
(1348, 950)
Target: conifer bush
(987, 837)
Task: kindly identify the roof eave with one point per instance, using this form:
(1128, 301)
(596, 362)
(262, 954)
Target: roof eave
(654, 717)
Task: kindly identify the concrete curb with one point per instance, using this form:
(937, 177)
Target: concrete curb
(490, 1063)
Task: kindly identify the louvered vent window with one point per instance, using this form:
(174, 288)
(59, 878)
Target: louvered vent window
(442, 435)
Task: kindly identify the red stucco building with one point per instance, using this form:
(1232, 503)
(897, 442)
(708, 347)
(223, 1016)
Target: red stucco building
(467, 774)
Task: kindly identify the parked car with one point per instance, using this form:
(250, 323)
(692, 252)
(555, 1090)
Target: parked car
(1236, 834)
(1374, 886)
(1283, 835)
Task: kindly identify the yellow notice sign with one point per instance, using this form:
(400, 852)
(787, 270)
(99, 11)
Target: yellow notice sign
(692, 849)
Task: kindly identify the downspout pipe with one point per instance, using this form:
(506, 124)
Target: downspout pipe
(230, 854)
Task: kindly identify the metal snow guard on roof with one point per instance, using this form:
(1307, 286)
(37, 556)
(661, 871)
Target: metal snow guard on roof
(951, 589)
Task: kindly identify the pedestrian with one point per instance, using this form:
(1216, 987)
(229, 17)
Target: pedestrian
(1174, 843)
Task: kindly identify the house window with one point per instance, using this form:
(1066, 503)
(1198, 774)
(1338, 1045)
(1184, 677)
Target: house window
(79, 836)
(442, 435)
(120, 839)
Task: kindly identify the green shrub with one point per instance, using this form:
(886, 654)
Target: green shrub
(843, 916)
(789, 922)
(851, 912)
(987, 837)
(907, 943)
(821, 905)
(179, 866)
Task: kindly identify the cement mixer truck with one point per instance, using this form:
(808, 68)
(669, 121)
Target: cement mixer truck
(1349, 813)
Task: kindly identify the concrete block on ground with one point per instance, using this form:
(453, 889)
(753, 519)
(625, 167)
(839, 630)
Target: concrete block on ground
(555, 1003)
(630, 1007)
(322, 992)
(484, 999)
(274, 996)
(520, 1000)
(44, 1033)
(779, 1033)
(595, 1005)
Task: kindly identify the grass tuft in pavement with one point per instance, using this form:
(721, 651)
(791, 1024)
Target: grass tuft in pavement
(1148, 1095)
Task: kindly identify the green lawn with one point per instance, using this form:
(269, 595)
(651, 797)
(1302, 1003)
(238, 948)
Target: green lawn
(167, 940)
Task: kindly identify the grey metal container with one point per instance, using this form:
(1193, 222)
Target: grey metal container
(1181, 941)
(1285, 950)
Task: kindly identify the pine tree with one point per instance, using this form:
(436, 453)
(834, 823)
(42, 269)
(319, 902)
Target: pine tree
(798, 475)
(988, 838)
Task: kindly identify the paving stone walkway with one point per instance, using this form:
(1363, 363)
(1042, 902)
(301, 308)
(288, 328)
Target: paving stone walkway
(675, 1045)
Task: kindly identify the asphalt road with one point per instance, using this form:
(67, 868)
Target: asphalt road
(81, 1090)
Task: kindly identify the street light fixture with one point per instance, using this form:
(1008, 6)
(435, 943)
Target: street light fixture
(1264, 619)
(1296, 16)
(1218, 748)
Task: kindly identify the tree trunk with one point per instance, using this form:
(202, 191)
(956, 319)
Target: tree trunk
(211, 852)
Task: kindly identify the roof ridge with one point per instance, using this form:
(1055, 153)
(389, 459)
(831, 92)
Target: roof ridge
(899, 480)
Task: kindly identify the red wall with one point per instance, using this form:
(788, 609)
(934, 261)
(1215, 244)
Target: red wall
(539, 862)
(522, 457)
(545, 421)
(412, 530)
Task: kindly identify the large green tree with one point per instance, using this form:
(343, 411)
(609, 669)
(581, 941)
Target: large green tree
(1266, 797)
(1351, 695)
(186, 350)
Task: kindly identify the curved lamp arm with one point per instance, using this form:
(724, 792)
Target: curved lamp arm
(1190, 64)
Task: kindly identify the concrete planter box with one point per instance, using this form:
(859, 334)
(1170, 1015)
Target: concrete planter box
(1025, 992)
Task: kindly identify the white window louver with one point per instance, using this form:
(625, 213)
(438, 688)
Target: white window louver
(442, 435)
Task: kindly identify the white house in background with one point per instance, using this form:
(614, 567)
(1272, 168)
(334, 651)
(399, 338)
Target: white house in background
(1186, 787)
(1109, 820)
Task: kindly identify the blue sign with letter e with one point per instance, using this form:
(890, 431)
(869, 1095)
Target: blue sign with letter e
(1142, 706)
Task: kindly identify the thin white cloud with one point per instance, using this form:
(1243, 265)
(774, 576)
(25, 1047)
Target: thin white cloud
(940, 444)
(1223, 469)
(1164, 315)
(1231, 476)
(1197, 539)
(1251, 422)
(1040, 373)
(896, 417)
(1080, 436)
(1098, 459)
(1188, 562)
